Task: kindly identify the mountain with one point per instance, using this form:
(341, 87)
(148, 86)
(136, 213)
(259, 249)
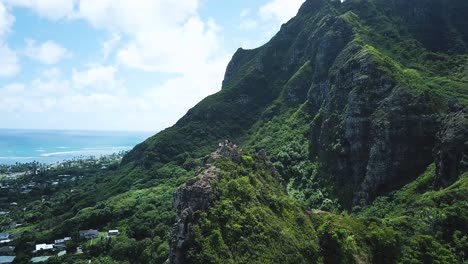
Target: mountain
(344, 139)
(367, 83)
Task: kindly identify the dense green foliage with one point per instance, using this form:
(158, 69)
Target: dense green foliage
(273, 98)
(253, 222)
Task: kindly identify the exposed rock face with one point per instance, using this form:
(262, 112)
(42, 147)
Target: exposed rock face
(196, 195)
(373, 135)
(451, 149)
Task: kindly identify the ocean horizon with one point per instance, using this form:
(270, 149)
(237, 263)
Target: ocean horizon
(51, 146)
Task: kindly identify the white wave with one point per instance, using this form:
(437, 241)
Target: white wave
(86, 152)
(112, 148)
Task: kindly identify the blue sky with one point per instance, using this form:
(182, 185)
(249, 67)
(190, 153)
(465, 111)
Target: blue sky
(121, 65)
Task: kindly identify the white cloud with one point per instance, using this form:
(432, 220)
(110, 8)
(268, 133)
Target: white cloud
(6, 20)
(67, 102)
(143, 15)
(164, 35)
(52, 9)
(266, 20)
(98, 78)
(48, 52)
(280, 10)
(9, 64)
(183, 49)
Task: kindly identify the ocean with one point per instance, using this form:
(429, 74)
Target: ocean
(51, 146)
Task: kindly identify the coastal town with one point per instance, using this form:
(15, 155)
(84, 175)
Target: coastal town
(58, 248)
(25, 189)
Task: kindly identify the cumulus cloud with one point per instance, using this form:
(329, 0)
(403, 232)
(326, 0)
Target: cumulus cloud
(165, 36)
(128, 15)
(48, 52)
(98, 78)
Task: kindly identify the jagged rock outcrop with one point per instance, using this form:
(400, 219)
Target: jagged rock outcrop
(451, 148)
(197, 195)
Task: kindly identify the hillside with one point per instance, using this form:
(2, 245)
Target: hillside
(350, 145)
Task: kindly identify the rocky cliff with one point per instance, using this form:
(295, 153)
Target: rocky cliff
(195, 196)
(451, 148)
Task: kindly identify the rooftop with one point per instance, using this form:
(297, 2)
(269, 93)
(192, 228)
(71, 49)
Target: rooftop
(7, 259)
(40, 259)
(7, 249)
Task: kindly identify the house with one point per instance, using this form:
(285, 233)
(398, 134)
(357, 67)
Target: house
(14, 225)
(7, 250)
(4, 236)
(7, 259)
(89, 234)
(113, 232)
(62, 241)
(40, 259)
(44, 247)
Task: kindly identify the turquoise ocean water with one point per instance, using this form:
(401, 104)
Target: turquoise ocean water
(50, 146)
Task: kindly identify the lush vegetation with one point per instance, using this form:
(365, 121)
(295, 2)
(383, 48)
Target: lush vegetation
(271, 99)
(253, 222)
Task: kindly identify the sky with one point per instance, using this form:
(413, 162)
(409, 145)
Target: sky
(131, 65)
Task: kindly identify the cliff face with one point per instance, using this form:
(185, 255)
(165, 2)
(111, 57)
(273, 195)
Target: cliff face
(372, 133)
(451, 149)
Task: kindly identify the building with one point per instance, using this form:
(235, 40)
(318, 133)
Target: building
(40, 247)
(62, 241)
(113, 232)
(4, 236)
(7, 259)
(40, 259)
(89, 234)
(7, 250)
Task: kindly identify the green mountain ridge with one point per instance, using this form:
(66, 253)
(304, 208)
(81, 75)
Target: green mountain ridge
(351, 127)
